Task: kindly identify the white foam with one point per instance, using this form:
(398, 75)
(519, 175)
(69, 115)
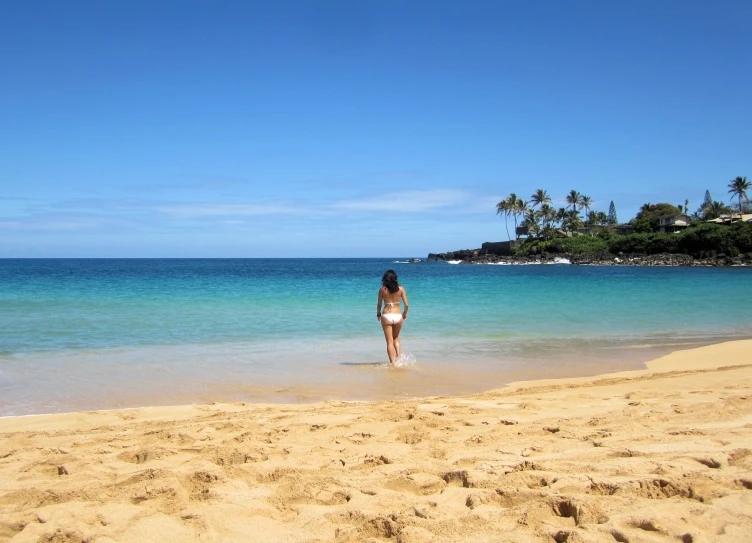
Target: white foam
(453, 261)
(559, 260)
(405, 360)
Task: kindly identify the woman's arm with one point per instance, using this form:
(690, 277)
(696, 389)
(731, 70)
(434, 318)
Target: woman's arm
(404, 300)
(378, 304)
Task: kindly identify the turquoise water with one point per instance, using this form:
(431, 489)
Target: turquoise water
(85, 334)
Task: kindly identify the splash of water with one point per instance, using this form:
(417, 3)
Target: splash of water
(405, 360)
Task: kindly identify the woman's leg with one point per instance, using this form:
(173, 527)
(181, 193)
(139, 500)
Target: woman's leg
(396, 341)
(389, 340)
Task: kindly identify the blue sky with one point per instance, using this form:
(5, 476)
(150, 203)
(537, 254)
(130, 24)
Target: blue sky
(249, 129)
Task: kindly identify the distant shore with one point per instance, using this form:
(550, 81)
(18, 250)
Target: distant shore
(479, 256)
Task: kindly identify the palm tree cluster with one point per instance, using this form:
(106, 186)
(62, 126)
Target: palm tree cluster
(540, 219)
(713, 209)
(738, 187)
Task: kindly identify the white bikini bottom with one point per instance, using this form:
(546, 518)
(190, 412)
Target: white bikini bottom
(391, 318)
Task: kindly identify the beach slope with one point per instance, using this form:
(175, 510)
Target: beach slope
(657, 455)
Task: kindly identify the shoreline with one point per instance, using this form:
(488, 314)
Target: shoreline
(353, 381)
(637, 360)
(664, 363)
(657, 454)
(481, 256)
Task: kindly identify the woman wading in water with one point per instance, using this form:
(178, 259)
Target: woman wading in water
(391, 318)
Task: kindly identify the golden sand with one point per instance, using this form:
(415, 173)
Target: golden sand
(656, 455)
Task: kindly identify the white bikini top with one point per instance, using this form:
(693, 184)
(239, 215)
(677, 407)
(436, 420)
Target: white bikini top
(391, 304)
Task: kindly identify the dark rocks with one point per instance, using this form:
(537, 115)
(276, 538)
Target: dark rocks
(488, 249)
(455, 255)
(664, 259)
(480, 256)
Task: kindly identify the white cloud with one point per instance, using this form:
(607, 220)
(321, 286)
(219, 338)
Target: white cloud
(224, 210)
(136, 213)
(406, 201)
(38, 225)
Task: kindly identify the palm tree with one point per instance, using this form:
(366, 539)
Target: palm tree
(573, 221)
(531, 222)
(739, 187)
(520, 208)
(547, 214)
(586, 202)
(512, 205)
(540, 197)
(561, 217)
(715, 209)
(502, 208)
(574, 199)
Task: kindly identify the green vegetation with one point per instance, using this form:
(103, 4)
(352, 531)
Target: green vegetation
(715, 209)
(697, 241)
(612, 214)
(653, 212)
(731, 240)
(577, 246)
(567, 230)
(540, 220)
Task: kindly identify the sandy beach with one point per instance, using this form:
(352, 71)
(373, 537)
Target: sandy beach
(656, 455)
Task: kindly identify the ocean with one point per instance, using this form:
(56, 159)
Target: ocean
(83, 334)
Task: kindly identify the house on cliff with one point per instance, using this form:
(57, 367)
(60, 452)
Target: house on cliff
(624, 229)
(673, 223)
(729, 219)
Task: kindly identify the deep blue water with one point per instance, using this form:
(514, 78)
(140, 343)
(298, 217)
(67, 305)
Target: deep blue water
(84, 325)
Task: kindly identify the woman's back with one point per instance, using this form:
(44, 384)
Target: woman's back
(392, 299)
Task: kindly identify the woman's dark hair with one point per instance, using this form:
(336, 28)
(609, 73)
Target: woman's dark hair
(390, 281)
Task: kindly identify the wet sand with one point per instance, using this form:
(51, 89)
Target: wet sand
(655, 455)
(126, 378)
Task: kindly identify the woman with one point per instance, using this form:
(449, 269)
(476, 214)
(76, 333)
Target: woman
(391, 318)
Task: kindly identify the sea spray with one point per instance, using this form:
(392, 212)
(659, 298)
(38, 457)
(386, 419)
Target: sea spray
(405, 360)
